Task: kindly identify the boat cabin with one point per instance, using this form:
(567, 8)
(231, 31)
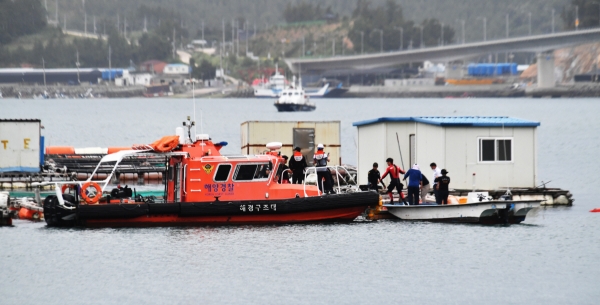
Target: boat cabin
(478, 152)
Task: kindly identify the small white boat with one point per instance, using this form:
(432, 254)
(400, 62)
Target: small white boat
(485, 211)
(294, 99)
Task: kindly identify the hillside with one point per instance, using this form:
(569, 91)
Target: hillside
(263, 13)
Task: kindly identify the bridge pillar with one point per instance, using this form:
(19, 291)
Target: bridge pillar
(545, 69)
(454, 70)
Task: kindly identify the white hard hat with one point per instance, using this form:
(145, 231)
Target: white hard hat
(320, 146)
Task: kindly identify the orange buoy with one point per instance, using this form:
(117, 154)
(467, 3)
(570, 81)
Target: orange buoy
(25, 213)
(596, 210)
(60, 150)
(65, 187)
(91, 192)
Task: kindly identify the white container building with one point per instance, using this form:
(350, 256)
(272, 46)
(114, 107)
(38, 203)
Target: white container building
(478, 152)
(20, 142)
(304, 134)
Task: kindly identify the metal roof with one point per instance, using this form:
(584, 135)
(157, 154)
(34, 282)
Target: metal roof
(456, 121)
(20, 120)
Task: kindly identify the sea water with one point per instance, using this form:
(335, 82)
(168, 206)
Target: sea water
(551, 258)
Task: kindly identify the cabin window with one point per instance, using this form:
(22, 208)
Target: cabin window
(222, 173)
(250, 172)
(495, 150)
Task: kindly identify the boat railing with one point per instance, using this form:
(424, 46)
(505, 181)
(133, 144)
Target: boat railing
(337, 168)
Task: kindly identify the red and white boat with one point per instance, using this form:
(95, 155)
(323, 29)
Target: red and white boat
(202, 187)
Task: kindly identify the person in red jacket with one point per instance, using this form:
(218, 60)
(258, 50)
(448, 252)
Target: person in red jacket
(394, 171)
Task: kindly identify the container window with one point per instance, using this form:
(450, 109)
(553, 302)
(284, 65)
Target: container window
(495, 150)
(222, 172)
(487, 148)
(504, 150)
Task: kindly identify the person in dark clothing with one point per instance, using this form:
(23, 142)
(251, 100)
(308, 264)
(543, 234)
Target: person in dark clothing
(394, 171)
(414, 182)
(324, 178)
(374, 177)
(282, 170)
(442, 183)
(297, 165)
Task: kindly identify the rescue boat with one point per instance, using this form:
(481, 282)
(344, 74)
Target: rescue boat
(202, 187)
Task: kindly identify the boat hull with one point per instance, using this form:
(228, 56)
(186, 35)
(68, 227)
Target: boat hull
(340, 207)
(294, 107)
(489, 212)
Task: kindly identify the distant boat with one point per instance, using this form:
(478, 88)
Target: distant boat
(326, 88)
(294, 99)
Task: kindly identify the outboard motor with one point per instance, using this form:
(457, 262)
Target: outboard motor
(57, 216)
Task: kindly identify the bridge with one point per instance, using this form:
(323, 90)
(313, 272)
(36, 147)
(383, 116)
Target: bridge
(540, 44)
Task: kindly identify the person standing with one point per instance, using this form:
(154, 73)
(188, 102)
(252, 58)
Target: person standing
(283, 176)
(374, 177)
(414, 182)
(297, 165)
(443, 183)
(394, 171)
(324, 179)
(436, 173)
(425, 188)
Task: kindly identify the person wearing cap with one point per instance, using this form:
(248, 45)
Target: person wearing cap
(443, 183)
(414, 182)
(320, 160)
(297, 165)
(282, 171)
(394, 171)
(374, 177)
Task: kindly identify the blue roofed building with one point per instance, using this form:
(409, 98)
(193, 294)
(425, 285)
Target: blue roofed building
(478, 152)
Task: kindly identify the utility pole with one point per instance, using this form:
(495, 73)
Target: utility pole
(333, 47)
(202, 29)
(442, 26)
(173, 42)
(303, 47)
(125, 27)
(84, 18)
(77, 64)
(553, 13)
(46, 6)
(507, 26)
(109, 64)
(401, 36)
(118, 24)
(65, 22)
(237, 38)
(362, 42)
(421, 42)
(246, 27)
(484, 27)
(576, 17)
(145, 25)
(94, 18)
(56, 13)
(44, 69)
(462, 22)
(529, 14)
(223, 45)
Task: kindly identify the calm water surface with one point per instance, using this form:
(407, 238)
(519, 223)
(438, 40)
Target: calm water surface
(552, 258)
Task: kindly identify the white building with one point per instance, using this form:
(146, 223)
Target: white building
(485, 152)
(137, 79)
(176, 69)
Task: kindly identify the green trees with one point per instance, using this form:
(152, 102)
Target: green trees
(386, 24)
(18, 18)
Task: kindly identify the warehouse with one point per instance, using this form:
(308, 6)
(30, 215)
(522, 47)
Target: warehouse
(52, 76)
(478, 152)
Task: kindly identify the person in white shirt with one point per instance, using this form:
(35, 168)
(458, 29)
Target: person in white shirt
(436, 173)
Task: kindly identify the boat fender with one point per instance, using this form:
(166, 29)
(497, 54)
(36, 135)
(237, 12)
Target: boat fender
(90, 197)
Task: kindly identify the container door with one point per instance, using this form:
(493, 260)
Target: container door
(305, 139)
(177, 178)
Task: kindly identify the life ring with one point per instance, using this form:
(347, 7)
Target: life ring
(65, 187)
(91, 197)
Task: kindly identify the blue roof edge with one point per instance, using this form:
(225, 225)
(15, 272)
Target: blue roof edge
(516, 122)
